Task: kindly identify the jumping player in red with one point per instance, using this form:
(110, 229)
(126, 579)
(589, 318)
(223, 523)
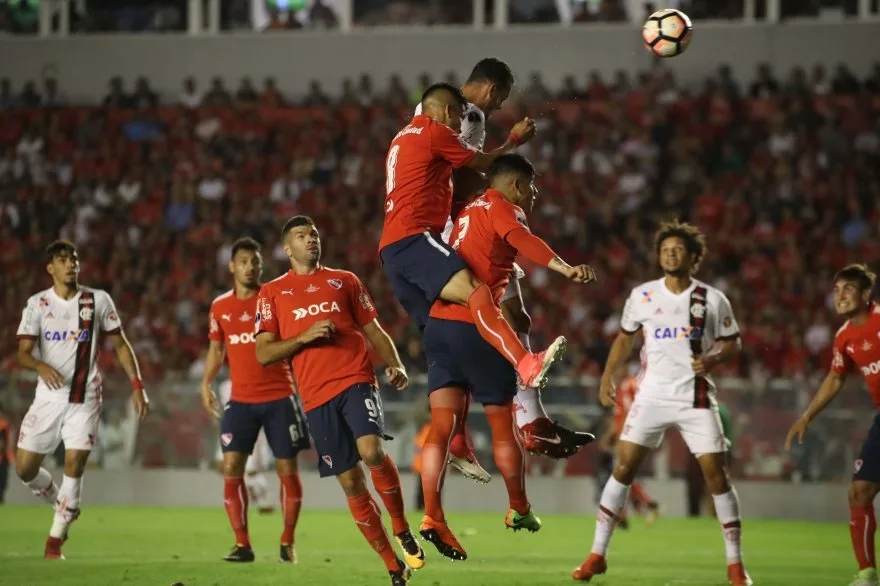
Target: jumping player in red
(261, 398)
(421, 267)
(607, 444)
(317, 317)
(488, 235)
(856, 347)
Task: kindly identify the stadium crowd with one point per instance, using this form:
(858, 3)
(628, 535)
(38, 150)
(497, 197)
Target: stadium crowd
(783, 175)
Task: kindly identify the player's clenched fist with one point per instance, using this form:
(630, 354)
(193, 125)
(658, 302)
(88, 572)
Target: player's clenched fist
(524, 130)
(397, 377)
(799, 429)
(321, 330)
(582, 274)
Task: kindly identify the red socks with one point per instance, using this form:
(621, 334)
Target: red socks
(235, 497)
(492, 327)
(368, 519)
(862, 526)
(509, 457)
(291, 503)
(434, 455)
(386, 480)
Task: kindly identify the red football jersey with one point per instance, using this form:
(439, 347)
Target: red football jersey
(479, 237)
(290, 304)
(232, 322)
(623, 400)
(418, 178)
(859, 346)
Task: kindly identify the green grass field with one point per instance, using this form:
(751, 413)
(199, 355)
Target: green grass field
(158, 547)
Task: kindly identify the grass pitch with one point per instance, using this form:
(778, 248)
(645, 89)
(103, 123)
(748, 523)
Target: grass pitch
(159, 547)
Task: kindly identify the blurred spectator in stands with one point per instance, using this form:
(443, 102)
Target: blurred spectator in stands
(536, 90)
(30, 98)
(727, 83)
(819, 81)
(144, 96)
(217, 95)
(349, 93)
(872, 82)
(570, 90)
(52, 96)
(765, 85)
(7, 98)
(246, 93)
(396, 95)
(190, 97)
(116, 97)
(321, 16)
(316, 95)
(271, 97)
(844, 82)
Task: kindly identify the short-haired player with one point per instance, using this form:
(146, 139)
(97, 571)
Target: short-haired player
(65, 322)
(488, 235)
(688, 329)
(856, 349)
(317, 318)
(261, 401)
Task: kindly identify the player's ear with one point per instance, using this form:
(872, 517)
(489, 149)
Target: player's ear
(231, 267)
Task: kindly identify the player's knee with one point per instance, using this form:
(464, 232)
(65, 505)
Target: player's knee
(717, 480)
(234, 465)
(26, 470)
(285, 467)
(373, 454)
(862, 493)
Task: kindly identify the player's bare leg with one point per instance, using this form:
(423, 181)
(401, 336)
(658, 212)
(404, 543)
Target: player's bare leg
(447, 409)
(235, 499)
(369, 521)
(291, 503)
(461, 449)
(510, 459)
(386, 481)
(862, 527)
(714, 468)
(67, 502)
(629, 459)
(28, 467)
(465, 289)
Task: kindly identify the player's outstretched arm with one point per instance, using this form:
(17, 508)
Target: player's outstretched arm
(539, 252)
(26, 359)
(620, 351)
(128, 362)
(386, 350)
(829, 389)
(213, 362)
(271, 349)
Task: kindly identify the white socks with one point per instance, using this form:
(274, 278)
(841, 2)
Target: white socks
(527, 402)
(43, 487)
(258, 490)
(67, 508)
(610, 505)
(727, 510)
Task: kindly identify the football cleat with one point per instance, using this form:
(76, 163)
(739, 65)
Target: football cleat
(400, 577)
(462, 457)
(867, 577)
(532, 369)
(593, 566)
(529, 521)
(653, 514)
(442, 538)
(53, 549)
(413, 555)
(737, 575)
(547, 438)
(240, 554)
(287, 554)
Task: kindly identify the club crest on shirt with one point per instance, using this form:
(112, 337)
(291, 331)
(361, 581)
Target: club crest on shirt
(335, 283)
(727, 322)
(86, 313)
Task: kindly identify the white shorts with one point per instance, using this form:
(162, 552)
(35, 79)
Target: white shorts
(513, 289)
(47, 423)
(648, 421)
(261, 458)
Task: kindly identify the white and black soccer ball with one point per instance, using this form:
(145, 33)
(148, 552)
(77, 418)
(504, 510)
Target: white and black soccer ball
(667, 32)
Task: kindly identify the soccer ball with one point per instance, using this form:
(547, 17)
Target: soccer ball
(667, 32)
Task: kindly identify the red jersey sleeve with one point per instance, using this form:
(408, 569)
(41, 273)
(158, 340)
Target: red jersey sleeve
(449, 146)
(509, 222)
(841, 363)
(362, 307)
(215, 332)
(266, 319)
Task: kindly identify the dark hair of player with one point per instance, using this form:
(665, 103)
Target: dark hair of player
(511, 163)
(859, 274)
(492, 70)
(444, 87)
(295, 222)
(246, 243)
(59, 248)
(694, 240)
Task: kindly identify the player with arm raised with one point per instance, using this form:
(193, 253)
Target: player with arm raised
(486, 89)
(261, 400)
(488, 235)
(317, 318)
(856, 348)
(688, 329)
(66, 322)
(420, 266)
